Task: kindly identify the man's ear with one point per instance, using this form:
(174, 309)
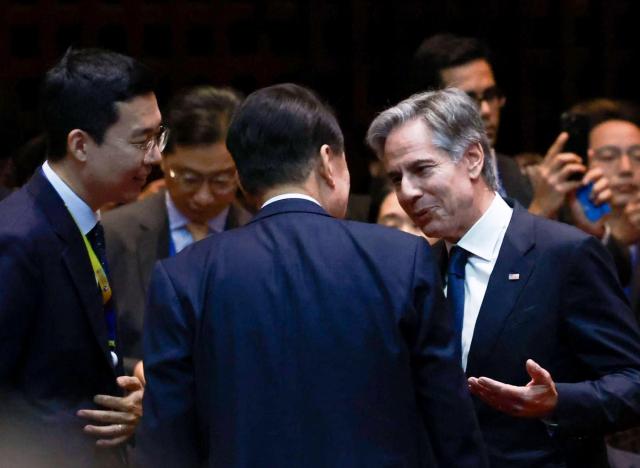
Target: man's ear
(77, 141)
(326, 169)
(475, 159)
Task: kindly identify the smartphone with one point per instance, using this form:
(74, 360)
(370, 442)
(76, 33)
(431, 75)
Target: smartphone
(577, 126)
(592, 211)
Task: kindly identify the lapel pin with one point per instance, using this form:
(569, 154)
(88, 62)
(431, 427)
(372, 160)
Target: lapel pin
(514, 276)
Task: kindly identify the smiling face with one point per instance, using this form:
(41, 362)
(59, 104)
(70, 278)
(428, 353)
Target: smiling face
(117, 169)
(201, 179)
(614, 146)
(437, 193)
(476, 78)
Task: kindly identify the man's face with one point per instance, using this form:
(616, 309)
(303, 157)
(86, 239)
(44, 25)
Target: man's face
(434, 191)
(476, 78)
(614, 146)
(201, 180)
(117, 169)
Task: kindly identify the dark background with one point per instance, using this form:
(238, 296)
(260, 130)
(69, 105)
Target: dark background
(549, 54)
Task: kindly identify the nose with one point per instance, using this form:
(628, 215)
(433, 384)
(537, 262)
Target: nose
(203, 195)
(407, 192)
(624, 163)
(485, 108)
(153, 156)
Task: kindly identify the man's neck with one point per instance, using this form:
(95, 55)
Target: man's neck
(70, 177)
(481, 203)
(282, 189)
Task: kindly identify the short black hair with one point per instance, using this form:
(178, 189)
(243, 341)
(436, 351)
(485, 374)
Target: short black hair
(443, 51)
(81, 91)
(200, 116)
(276, 134)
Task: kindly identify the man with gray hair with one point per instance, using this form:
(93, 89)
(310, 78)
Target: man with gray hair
(547, 340)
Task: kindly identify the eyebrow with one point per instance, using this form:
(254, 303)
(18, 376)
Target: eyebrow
(145, 131)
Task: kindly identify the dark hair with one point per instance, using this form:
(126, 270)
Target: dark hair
(81, 92)
(443, 51)
(276, 134)
(201, 116)
(601, 110)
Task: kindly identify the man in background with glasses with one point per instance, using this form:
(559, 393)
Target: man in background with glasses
(200, 199)
(446, 60)
(63, 398)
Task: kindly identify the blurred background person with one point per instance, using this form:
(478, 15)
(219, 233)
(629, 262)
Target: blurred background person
(447, 60)
(199, 200)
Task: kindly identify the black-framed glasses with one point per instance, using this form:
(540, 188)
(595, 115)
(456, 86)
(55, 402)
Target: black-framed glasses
(490, 95)
(159, 139)
(220, 183)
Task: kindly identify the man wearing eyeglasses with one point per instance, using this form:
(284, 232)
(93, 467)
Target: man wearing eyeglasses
(447, 60)
(199, 200)
(63, 398)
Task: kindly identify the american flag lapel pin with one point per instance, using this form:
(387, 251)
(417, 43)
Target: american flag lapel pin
(514, 276)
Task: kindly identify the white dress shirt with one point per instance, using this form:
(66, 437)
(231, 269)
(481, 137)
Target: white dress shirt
(180, 235)
(284, 196)
(84, 216)
(483, 242)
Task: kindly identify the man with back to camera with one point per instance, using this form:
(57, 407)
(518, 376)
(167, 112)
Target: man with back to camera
(547, 339)
(201, 183)
(300, 339)
(64, 401)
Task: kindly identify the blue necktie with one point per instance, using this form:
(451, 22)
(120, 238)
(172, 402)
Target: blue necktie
(455, 288)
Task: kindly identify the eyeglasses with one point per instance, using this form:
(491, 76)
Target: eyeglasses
(610, 154)
(159, 139)
(190, 181)
(490, 95)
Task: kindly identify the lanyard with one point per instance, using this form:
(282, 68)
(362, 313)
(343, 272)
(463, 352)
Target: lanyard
(105, 290)
(98, 271)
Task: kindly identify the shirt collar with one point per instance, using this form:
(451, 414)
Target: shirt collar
(284, 196)
(484, 236)
(178, 221)
(82, 213)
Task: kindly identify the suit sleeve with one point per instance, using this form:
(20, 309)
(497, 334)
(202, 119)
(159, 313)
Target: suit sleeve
(605, 337)
(167, 436)
(20, 282)
(441, 389)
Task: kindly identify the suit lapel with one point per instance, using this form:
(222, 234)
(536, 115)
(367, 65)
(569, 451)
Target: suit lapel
(153, 241)
(516, 257)
(74, 256)
(238, 216)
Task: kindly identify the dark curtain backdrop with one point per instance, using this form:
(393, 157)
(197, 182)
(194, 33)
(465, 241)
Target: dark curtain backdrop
(549, 54)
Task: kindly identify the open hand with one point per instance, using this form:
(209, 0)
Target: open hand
(537, 399)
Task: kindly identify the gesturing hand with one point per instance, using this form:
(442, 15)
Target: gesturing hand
(551, 178)
(537, 399)
(119, 421)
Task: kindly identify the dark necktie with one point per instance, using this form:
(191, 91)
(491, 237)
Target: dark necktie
(455, 288)
(96, 238)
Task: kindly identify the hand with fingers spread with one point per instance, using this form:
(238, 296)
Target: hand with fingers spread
(117, 423)
(551, 178)
(537, 399)
(600, 193)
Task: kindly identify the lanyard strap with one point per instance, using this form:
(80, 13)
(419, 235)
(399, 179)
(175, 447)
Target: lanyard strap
(98, 271)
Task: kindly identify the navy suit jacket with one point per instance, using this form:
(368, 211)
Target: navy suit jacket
(568, 312)
(53, 338)
(302, 340)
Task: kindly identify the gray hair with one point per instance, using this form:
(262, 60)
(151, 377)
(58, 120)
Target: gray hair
(453, 119)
